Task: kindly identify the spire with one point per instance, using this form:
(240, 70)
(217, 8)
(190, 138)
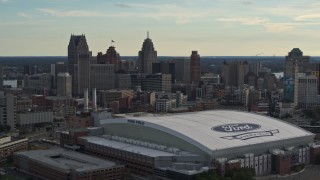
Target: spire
(148, 34)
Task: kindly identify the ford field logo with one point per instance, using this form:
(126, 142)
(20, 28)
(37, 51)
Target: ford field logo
(240, 127)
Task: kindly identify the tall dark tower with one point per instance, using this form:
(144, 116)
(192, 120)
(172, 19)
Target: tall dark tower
(147, 56)
(195, 71)
(78, 50)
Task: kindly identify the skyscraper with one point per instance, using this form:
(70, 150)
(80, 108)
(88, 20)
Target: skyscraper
(147, 56)
(64, 82)
(8, 103)
(77, 49)
(1, 77)
(182, 70)
(295, 63)
(111, 57)
(233, 73)
(195, 71)
(295, 57)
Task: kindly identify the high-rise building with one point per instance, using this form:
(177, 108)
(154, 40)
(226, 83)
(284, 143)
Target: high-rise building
(295, 63)
(233, 73)
(123, 81)
(102, 76)
(147, 56)
(38, 82)
(157, 82)
(182, 70)
(111, 57)
(255, 67)
(307, 91)
(165, 68)
(64, 84)
(295, 57)
(83, 73)
(59, 67)
(127, 65)
(8, 104)
(78, 49)
(195, 69)
(1, 77)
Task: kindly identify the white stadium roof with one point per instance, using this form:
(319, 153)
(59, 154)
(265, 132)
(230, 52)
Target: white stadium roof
(220, 129)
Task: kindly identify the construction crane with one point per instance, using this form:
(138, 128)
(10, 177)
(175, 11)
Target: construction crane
(259, 54)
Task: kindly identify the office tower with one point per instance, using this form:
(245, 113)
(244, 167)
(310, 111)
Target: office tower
(8, 104)
(307, 91)
(111, 57)
(295, 63)
(182, 69)
(78, 49)
(195, 71)
(64, 84)
(315, 70)
(165, 68)
(157, 82)
(102, 76)
(127, 65)
(58, 67)
(147, 56)
(38, 82)
(30, 69)
(233, 73)
(255, 67)
(123, 81)
(295, 57)
(83, 73)
(1, 77)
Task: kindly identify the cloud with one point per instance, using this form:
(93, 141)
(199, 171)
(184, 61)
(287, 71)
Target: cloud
(4, 1)
(122, 5)
(25, 15)
(245, 21)
(72, 13)
(307, 17)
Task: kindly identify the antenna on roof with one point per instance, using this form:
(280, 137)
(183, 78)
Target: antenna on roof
(148, 34)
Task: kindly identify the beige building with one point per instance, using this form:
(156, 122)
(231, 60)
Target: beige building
(64, 84)
(8, 147)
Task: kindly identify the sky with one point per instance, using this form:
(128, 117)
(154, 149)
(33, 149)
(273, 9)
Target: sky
(176, 27)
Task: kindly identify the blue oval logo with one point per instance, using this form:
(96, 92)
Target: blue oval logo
(240, 127)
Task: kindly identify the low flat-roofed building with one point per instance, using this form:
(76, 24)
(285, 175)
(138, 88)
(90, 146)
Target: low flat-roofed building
(62, 164)
(9, 146)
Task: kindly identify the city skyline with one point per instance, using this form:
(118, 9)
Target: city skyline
(213, 28)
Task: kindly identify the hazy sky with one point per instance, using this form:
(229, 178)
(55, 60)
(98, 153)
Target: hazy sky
(213, 27)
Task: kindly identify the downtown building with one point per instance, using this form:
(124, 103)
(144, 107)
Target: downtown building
(147, 56)
(233, 73)
(307, 91)
(8, 116)
(79, 58)
(64, 84)
(295, 62)
(195, 69)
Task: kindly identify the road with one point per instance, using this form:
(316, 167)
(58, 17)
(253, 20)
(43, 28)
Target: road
(311, 172)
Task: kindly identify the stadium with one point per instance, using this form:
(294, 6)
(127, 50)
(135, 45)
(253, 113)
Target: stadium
(189, 143)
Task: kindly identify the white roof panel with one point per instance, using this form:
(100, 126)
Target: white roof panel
(220, 129)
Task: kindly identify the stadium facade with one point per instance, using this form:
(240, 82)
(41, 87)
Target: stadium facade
(182, 145)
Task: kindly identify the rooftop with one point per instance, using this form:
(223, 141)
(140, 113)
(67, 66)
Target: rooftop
(221, 129)
(65, 160)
